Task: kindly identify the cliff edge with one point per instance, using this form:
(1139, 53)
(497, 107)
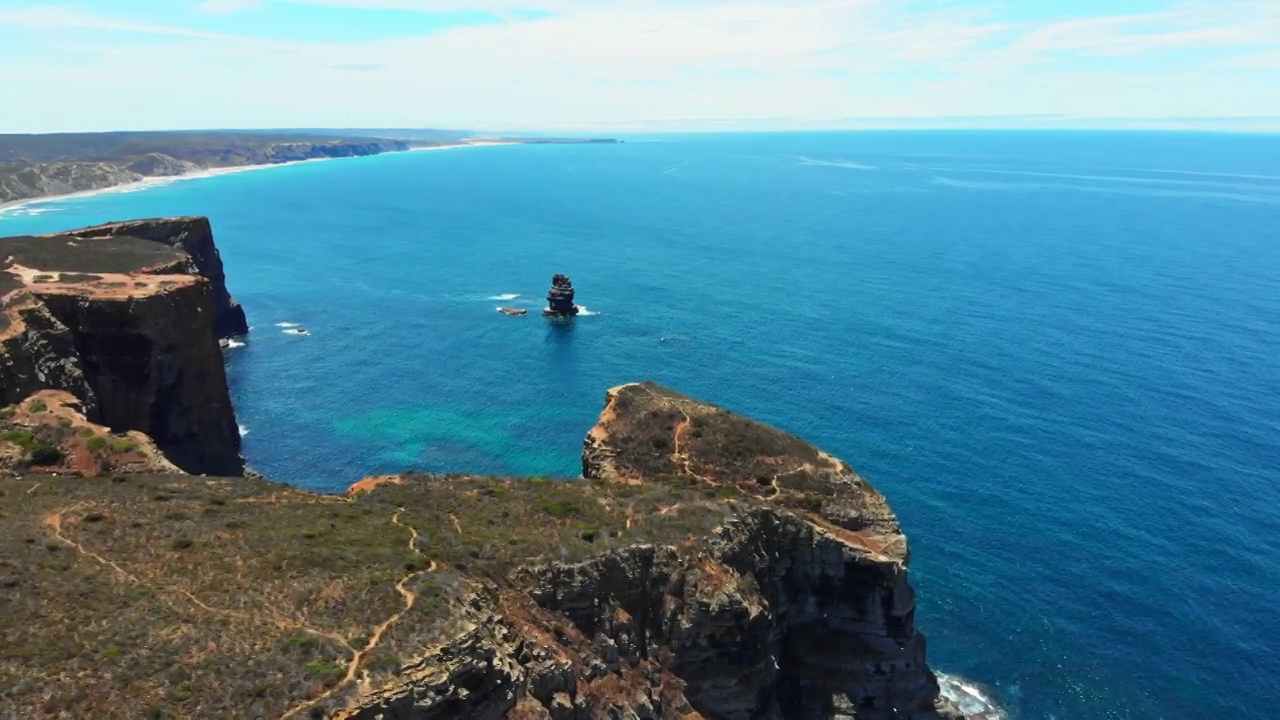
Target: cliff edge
(125, 319)
(707, 567)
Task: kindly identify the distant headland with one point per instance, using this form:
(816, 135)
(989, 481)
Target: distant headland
(39, 166)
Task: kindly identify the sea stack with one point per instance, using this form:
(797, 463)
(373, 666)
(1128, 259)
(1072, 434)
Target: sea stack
(560, 298)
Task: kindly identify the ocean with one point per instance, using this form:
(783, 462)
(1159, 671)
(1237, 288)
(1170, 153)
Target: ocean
(1057, 354)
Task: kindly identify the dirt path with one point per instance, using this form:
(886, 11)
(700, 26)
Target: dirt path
(54, 522)
(364, 685)
(680, 453)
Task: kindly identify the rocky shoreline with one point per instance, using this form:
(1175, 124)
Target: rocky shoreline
(703, 566)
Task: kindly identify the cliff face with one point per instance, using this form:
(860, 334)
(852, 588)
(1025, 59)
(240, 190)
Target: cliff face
(795, 605)
(128, 326)
(193, 236)
(708, 567)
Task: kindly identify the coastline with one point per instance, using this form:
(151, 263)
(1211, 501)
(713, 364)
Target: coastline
(148, 182)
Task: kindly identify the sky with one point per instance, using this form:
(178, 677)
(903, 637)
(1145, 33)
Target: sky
(638, 65)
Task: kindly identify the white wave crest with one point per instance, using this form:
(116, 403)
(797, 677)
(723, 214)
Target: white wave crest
(970, 699)
(583, 311)
(847, 164)
(243, 430)
(232, 344)
(287, 324)
(505, 296)
(296, 331)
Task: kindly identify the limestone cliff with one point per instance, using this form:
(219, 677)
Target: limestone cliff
(129, 326)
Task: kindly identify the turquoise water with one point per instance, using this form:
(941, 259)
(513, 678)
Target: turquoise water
(1056, 354)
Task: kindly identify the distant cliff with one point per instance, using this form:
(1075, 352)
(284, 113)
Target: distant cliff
(127, 321)
(34, 166)
(41, 165)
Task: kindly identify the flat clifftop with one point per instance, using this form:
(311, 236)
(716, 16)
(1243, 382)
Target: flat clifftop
(668, 586)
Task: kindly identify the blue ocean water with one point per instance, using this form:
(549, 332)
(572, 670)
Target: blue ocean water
(1056, 354)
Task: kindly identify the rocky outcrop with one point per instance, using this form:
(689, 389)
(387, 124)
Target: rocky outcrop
(797, 606)
(193, 236)
(49, 431)
(129, 326)
(560, 298)
(707, 567)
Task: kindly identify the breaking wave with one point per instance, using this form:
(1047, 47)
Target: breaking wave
(505, 296)
(287, 324)
(970, 699)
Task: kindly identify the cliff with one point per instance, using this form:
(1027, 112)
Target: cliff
(193, 236)
(33, 166)
(708, 567)
(129, 326)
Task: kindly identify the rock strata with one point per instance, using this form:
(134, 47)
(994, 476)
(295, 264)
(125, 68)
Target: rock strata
(707, 567)
(129, 326)
(560, 298)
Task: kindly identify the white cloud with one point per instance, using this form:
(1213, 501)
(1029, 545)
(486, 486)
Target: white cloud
(227, 6)
(619, 62)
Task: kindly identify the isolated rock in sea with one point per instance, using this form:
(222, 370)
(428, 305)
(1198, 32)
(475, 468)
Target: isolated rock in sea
(560, 298)
(125, 324)
(513, 311)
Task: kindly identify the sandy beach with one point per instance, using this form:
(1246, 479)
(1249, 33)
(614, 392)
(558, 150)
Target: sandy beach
(212, 172)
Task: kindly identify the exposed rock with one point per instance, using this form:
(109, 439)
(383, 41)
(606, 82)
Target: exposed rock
(194, 236)
(676, 582)
(128, 326)
(513, 311)
(560, 298)
(796, 607)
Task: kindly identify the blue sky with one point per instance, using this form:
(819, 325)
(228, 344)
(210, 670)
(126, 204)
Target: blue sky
(638, 65)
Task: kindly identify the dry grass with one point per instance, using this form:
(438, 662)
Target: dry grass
(176, 596)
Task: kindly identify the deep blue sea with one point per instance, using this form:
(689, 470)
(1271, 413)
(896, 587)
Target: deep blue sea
(1058, 355)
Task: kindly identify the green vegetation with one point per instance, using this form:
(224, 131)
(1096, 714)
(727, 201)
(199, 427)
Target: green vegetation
(275, 591)
(38, 451)
(38, 406)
